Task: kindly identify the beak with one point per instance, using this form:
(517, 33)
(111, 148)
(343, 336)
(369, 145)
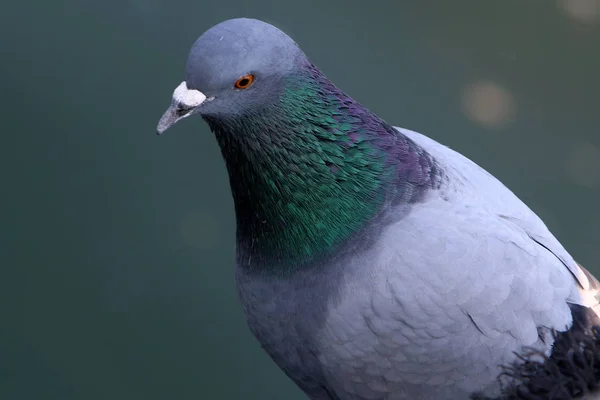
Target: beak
(185, 103)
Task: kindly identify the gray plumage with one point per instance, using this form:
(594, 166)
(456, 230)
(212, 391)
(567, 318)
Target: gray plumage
(434, 292)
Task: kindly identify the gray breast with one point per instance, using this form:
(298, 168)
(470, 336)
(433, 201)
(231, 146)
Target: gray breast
(287, 315)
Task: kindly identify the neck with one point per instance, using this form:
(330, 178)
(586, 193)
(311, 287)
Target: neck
(311, 171)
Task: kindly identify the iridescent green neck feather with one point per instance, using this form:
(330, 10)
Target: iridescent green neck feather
(308, 172)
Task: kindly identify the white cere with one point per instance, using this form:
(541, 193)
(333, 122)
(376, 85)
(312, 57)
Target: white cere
(188, 97)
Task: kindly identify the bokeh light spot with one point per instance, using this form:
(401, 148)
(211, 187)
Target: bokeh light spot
(581, 10)
(488, 104)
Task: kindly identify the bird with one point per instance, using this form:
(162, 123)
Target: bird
(371, 261)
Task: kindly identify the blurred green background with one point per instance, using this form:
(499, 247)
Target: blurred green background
(117, 246)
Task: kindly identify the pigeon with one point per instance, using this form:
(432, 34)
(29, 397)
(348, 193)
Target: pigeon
(373, 262)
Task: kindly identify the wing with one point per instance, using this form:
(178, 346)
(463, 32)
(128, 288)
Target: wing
(451, 295)
(479, 189)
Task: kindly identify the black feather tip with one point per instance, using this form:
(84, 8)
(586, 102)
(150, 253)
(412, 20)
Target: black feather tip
(571, 372)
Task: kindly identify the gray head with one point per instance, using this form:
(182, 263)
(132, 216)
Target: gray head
(233, 68)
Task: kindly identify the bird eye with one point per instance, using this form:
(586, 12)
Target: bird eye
(244, 82)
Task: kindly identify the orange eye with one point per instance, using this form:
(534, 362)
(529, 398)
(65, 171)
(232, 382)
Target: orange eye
(244, 82)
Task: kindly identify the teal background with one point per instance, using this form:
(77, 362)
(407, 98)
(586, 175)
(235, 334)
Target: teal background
(117, 247)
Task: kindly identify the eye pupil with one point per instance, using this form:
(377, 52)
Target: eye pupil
(244, 81)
